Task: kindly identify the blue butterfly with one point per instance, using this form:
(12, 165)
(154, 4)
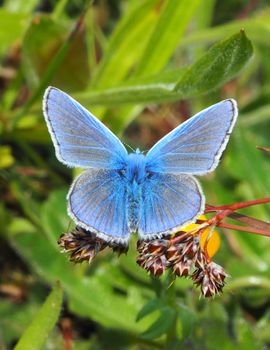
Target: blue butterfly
(120, 193)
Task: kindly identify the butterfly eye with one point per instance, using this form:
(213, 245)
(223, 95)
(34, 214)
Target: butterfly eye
(122, 172)
(149, 174)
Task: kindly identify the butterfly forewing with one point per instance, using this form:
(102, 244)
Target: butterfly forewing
(80, 139)
(195, 146)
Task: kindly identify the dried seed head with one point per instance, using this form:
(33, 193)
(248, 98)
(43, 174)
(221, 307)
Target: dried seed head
(183, 267)
(152, 255)
(82, 245)
(211, 279)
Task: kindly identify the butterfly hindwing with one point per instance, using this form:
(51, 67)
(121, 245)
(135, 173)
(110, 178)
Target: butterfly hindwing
(195, 146)
(80, 139)
(97, 201)
(168, 201)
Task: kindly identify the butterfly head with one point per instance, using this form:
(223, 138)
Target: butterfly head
(135, 171)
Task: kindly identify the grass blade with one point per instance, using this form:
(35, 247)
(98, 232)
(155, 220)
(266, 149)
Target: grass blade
(167, 35)
(38, 331)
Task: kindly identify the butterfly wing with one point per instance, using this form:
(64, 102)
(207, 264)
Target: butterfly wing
(79, 138)
(195, 146)
(97, 201)
(168, 202)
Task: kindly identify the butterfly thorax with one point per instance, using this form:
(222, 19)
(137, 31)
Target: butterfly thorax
(135, 171)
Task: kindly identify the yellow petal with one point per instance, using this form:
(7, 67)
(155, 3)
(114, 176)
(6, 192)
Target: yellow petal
(214, 242)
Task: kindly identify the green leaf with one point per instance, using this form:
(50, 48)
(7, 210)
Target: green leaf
(12, 27)
(15, 318)
(245, 334)
(38, 331)
(167, 35)
(151, 306)
(18, 6)
(161, 325)
(55, 222)
(221, 63)
(188, 320)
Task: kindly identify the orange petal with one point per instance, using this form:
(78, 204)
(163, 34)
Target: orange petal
(214, 242)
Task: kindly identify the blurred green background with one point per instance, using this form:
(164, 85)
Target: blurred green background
(142, 67)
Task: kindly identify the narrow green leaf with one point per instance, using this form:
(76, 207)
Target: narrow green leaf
(221, 63)
(257, 116)
(257, 28)
(154, 89)
(126, 43)
(170, 28)
(59, 9)
(38, 331)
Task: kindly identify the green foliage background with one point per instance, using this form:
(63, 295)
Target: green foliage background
(142, 67)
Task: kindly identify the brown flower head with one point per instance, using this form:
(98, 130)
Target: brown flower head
(183, 254)
(211, 279)
(152, 255)
(82, 245)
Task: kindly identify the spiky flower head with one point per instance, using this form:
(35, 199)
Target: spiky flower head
(82, 245)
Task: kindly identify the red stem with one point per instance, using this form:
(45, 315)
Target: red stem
(235, 206)
(243, 228)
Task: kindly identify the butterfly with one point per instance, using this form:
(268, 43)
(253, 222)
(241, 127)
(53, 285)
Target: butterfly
(119, 193)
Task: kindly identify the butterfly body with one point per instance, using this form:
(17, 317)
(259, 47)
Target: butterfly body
(120, 193)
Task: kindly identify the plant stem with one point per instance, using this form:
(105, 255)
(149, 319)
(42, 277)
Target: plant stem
(244, 228)
(171, 300)
(236, 206)
(245, 282)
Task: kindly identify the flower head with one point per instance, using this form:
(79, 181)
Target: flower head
(82, 245)
(185, 254)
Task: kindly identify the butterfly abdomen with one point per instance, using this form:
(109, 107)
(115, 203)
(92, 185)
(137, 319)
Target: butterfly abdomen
(133, 206)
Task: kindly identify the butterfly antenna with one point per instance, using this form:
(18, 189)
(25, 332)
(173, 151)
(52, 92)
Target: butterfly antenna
(128, 146)
(145, 151)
